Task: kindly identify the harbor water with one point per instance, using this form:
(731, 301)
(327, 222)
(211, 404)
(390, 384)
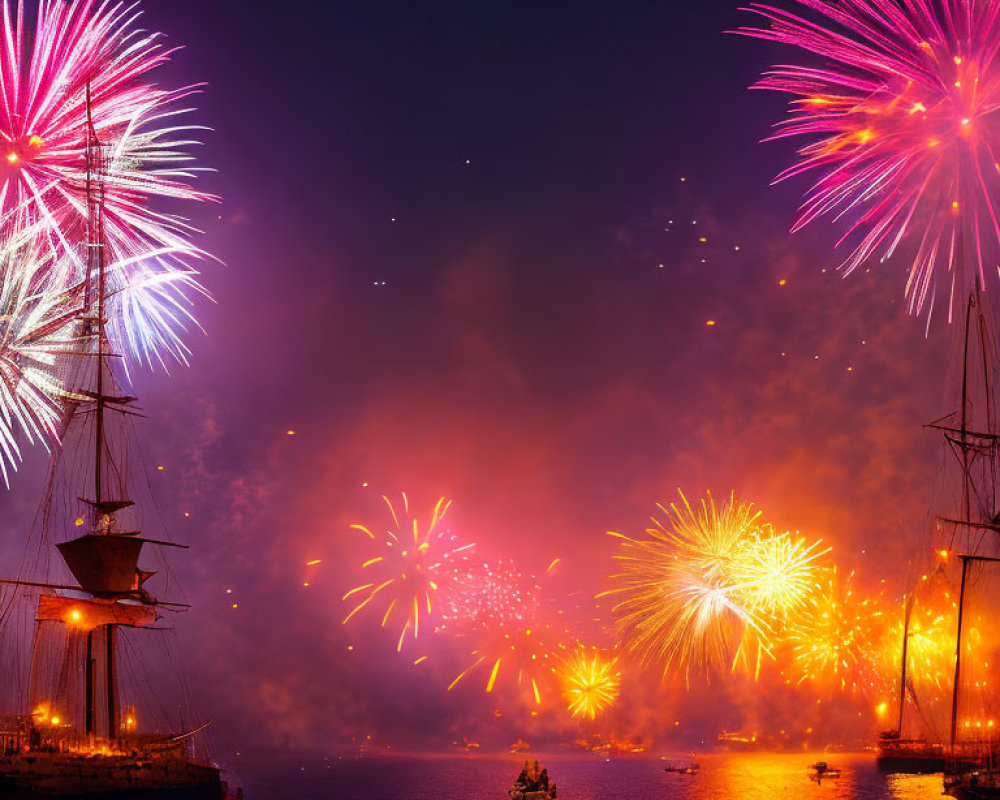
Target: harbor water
(744, 776)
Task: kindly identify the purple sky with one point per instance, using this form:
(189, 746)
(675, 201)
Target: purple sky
(449, 270)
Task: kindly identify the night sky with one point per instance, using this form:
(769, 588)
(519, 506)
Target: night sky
(462, 258)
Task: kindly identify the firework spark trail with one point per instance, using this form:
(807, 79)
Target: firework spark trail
(519, 657)
(590, 682)
(43, 164)
(904, 131)
(709, 587)
(409, 565)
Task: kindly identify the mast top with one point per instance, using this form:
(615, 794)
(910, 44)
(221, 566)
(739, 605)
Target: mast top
(104, 507)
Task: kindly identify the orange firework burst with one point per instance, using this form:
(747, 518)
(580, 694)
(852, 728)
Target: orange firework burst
(709, 587)
(831, 641)
(930, 642)
(410, 564)
(931, 646)
(590, 682)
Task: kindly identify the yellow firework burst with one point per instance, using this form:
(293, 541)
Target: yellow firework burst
(590, 682)
(708, 587)
(778, 572)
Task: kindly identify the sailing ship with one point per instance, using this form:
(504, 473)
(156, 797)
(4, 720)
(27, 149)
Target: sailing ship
(51, 749)
(971, 435)
(970, 771)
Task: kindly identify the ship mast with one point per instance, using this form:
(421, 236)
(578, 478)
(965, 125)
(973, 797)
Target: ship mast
(963, 440)
(958, 653)
(103, 514)
(96, 263)
(902, 678)
(966, 515)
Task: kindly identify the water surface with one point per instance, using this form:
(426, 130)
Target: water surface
(753, 776)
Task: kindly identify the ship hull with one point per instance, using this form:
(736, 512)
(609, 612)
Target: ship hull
(976, 784)
(913, 756)
(204, 792)
(120, 778)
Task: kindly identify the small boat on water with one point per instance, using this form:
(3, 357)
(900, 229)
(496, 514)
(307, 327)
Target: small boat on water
(532, 784)
(823, 771)
(690, 768)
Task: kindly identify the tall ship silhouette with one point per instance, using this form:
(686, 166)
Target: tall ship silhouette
(971, 438)
(968, 546)
(965, 751)
(76, 736)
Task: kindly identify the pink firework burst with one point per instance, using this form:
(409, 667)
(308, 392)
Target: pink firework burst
(51, 56)
(901, 113)
(515, 632)
(486, 596)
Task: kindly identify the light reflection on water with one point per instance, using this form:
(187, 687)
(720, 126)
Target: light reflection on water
(914, 787)
(750, 776)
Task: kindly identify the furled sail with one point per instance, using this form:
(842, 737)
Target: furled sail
(85, 614)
